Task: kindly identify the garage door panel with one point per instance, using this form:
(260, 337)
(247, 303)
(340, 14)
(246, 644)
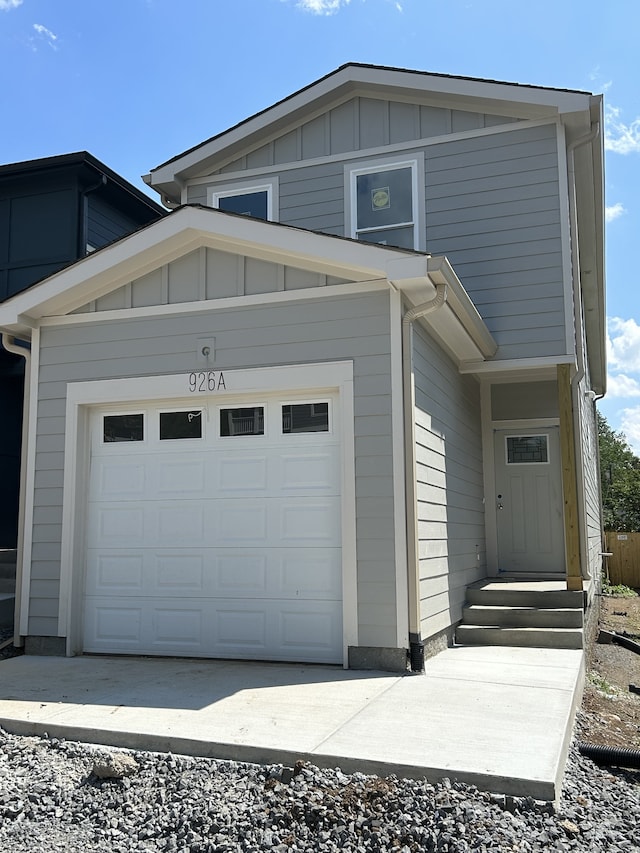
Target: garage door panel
(112, 626)
(112, 525)
(178, 627)
(315, 575)
(115, 573)
(312, 522)
(308, 473)
(235, 628)
(226, 546)
(179, 477)
(310, 634)
(242, 474)
(121, 479)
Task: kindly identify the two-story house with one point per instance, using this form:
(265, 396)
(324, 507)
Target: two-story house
(351, 375)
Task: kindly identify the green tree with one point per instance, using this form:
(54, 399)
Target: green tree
(620, 479)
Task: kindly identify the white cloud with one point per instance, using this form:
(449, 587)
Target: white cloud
(7, 5)
(614, 211)
(622, 386)
(619, 137)
(322, 7)
(623, 344)
(47, 35)
(630, 425)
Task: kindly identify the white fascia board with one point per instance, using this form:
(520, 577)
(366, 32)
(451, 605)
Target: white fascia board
(526, 102)
(184, 231)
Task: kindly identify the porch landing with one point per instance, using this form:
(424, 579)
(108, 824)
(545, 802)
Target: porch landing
(497, 717)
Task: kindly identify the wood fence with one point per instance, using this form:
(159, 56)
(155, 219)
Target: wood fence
(624, 564)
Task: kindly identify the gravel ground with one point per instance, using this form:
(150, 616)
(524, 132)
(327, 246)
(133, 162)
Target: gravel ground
(60, 796)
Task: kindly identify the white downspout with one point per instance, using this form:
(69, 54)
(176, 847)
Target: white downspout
(411, 489)
(9, 343)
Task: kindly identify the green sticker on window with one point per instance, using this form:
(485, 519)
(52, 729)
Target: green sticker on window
(380, 198)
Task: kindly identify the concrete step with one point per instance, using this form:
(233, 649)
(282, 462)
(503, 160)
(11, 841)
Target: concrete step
(541, 638)
(522, 617)
(7, 603)
(524, 594)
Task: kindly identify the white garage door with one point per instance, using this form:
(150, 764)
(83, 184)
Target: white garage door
(214, 531)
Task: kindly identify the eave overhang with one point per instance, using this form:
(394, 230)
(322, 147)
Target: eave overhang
(457, 325)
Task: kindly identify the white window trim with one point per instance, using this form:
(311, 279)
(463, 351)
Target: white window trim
(242, 384)
(215, 193)
(416, 164)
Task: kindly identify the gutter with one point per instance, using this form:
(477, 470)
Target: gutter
(11, 345)
(411, 489)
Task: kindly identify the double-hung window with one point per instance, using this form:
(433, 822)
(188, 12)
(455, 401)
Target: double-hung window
(384, 204)
(258, 201)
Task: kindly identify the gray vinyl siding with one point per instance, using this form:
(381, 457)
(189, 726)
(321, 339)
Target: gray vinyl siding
(449, 470)
(208, 274)
(590, 466)
(492, 203)
(493, 208)
(349, 327)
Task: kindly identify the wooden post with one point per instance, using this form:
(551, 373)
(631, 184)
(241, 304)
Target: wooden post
(569, 479)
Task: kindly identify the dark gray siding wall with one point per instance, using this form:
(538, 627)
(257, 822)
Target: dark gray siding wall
(449, 470)
(492, 205)
(351, 327)
(105, 223)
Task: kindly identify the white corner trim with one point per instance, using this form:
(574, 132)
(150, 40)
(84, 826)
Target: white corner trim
(81, 396)
(30, 480)
(565, 218)
(399, 494)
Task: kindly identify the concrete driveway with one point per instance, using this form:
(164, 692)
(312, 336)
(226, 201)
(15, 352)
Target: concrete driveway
(497, 717)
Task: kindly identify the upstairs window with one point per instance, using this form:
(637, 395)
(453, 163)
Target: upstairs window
(384, 205)
(255, 201)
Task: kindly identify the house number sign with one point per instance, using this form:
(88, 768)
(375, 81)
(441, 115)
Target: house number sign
(206, 381)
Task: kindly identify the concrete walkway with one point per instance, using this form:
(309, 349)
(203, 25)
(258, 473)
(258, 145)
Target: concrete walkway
(497, 717)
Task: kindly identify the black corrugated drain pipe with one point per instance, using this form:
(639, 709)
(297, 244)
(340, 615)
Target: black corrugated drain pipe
(611, 755)
(416, 656)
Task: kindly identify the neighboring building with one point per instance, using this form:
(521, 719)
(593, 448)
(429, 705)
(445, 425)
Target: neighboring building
(281, 440)
(52, 212)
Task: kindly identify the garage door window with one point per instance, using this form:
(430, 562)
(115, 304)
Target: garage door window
(179, 425)
(246, 421)
(119, 428)
(305, 417)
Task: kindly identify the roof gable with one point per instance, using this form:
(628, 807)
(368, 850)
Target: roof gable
(371, 83)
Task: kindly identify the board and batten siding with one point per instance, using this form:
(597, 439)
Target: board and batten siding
(357, 125)
(349, 327)
(450, 490)
(208, 274)
(492, 203)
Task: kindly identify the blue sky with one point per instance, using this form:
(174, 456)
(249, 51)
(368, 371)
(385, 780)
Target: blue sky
(136, 82)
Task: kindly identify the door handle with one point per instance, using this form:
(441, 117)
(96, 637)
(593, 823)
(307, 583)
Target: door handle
(500, 504)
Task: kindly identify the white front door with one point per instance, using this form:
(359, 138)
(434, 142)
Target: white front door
(214, 530)
(529, 502)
